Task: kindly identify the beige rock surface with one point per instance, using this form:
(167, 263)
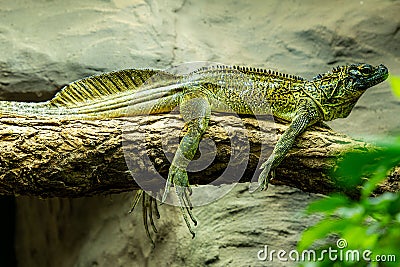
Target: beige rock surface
(45, 44)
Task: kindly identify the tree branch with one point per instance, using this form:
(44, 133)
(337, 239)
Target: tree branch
(48, 157)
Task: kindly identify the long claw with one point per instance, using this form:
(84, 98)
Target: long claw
(185, 206)
(149, 208)
(146, 225)
(187, 221)
(186, 193)
(189, 206)
(167, 188)
(272, 172)
(151, 215)
(136, 199)
(189, 211)
(263, 179)
(178, 177)
(156, 209)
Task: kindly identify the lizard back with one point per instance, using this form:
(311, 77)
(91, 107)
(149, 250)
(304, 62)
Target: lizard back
(245, 90)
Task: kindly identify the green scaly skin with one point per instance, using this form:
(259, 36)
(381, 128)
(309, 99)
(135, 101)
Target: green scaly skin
(240, 90)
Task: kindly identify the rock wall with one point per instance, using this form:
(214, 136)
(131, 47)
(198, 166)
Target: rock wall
(46, 44)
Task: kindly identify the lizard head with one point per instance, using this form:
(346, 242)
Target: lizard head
(363, 76)
(339, 90)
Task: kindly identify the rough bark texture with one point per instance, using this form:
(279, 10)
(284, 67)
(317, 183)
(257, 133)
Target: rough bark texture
(52, 158)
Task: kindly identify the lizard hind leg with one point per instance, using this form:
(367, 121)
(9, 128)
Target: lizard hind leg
(195, 110)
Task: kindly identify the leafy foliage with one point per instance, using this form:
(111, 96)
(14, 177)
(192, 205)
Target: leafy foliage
(395, 83)
(370, 223)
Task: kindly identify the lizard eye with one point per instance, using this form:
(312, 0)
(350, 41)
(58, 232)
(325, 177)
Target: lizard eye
(366, 70)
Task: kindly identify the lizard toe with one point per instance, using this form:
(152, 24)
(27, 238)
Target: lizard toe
(179, 178)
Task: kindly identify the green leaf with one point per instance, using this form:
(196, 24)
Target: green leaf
(355, 212)
(389, 157)
(388, 204)
(328, 205)
(358, 237)
(395, 84)
(370, 185)
(374, 164)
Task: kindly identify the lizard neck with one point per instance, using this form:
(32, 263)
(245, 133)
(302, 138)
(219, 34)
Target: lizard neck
(334, 97)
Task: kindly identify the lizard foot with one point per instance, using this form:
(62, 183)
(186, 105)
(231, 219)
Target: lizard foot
(149, 208)
(179, 178)
(266, 173)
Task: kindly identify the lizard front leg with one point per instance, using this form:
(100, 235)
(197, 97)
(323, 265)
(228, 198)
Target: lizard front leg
(195, 110)
(306, 115)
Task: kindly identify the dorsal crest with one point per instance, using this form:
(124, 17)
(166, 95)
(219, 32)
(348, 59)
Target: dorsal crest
(269, 72)
(252, 70)
(336, 71)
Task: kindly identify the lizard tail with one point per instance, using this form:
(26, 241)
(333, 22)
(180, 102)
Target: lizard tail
(19, 109)
(115, 94)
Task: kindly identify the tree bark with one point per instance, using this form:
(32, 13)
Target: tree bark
(61, 158)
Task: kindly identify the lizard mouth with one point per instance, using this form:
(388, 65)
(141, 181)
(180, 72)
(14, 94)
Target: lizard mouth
(381, 74)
